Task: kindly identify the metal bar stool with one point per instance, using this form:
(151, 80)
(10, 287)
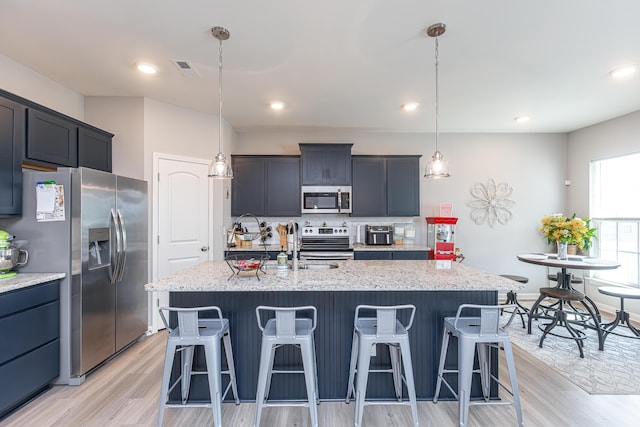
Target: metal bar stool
(566, 318)
(622, 316)
(567, 281)
(287, 329)
(512, 297)
(479, 334)
(386, 329)
(190, 332)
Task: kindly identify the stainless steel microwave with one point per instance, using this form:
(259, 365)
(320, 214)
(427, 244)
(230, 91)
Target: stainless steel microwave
(326, 199)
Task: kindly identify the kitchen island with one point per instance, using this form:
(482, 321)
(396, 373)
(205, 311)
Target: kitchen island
(436, 289)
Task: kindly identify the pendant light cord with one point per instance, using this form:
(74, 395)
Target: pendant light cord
(220, 95)
(437, 103)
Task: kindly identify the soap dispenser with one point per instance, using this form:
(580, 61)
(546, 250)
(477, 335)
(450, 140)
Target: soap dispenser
(282, 259)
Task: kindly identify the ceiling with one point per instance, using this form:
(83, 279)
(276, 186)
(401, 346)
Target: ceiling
(344, 65)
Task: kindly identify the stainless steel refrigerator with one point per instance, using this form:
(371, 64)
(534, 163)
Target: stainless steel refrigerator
(102, 246)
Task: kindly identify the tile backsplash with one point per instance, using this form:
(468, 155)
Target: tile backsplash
(414, 229)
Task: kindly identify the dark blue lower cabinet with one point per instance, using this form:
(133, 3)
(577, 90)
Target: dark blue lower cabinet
(389, 255)
(29, 343)
(372, 255)
(410, 255)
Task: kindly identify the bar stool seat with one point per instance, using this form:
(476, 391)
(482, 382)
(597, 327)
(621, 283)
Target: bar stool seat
(622, 316)
(286, 329)
(479, 334)
(512, 296)
(566, 318)
(194, 331)
(384, 328)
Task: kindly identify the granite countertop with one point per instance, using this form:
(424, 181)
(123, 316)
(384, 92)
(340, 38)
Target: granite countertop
(24, 280)
(400, 275)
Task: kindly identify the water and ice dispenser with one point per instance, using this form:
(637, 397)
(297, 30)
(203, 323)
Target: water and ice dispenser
(99, 248)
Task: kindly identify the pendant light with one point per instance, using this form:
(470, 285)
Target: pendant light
(220, 166)
(437, 167)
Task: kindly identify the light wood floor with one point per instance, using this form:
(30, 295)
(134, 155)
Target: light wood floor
(125, 391)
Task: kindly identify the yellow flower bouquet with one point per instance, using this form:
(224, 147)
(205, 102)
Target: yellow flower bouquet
(573, 231)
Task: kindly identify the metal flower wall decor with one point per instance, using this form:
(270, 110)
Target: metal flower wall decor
(491, 203)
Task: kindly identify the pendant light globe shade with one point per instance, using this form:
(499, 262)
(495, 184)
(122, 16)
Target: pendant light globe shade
(437, 167)
(220, 166)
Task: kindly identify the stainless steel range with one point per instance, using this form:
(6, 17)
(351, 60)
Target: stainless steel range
(325, 243)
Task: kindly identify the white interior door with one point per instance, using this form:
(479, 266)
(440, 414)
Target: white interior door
(183, 236)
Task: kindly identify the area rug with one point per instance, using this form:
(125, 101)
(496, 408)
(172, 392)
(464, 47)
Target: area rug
(615, 370)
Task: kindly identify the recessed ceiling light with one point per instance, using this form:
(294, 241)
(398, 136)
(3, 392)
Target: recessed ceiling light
(622, 71)
(146, 68)
(521, 119)
(277, 105)
(410, 106)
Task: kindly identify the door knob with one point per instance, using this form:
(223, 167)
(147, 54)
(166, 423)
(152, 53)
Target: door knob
(204, 248)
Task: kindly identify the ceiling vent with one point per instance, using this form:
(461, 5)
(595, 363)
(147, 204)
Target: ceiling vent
(186, 68)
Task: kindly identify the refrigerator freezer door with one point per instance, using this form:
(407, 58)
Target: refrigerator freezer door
(131, 298)
(93, 295)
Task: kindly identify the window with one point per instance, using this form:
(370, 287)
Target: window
(615, 211)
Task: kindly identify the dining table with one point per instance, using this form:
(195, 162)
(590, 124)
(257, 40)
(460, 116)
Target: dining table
(574, 262)
(565, 292)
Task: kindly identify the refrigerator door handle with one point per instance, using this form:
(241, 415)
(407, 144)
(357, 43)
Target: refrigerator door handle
(123, 255)
(115, 263)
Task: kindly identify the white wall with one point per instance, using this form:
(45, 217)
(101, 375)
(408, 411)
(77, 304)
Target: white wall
(124, 117)
(24, 82)
(532, 164)
(612, 138)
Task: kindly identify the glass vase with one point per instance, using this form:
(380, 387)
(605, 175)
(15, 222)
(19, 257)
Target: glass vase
(562, 250)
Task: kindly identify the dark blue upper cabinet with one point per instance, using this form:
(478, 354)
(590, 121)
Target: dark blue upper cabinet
(326, 164)
(283, 186)
(369, 186)
(247, 186)
(403, 186)
(11, 140)
(386, 186)
(94, 149)
(51, 139)
(265, 185)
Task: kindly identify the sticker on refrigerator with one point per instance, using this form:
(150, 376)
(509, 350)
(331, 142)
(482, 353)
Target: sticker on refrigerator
(49, 202)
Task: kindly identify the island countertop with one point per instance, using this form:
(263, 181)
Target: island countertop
(378, 275)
